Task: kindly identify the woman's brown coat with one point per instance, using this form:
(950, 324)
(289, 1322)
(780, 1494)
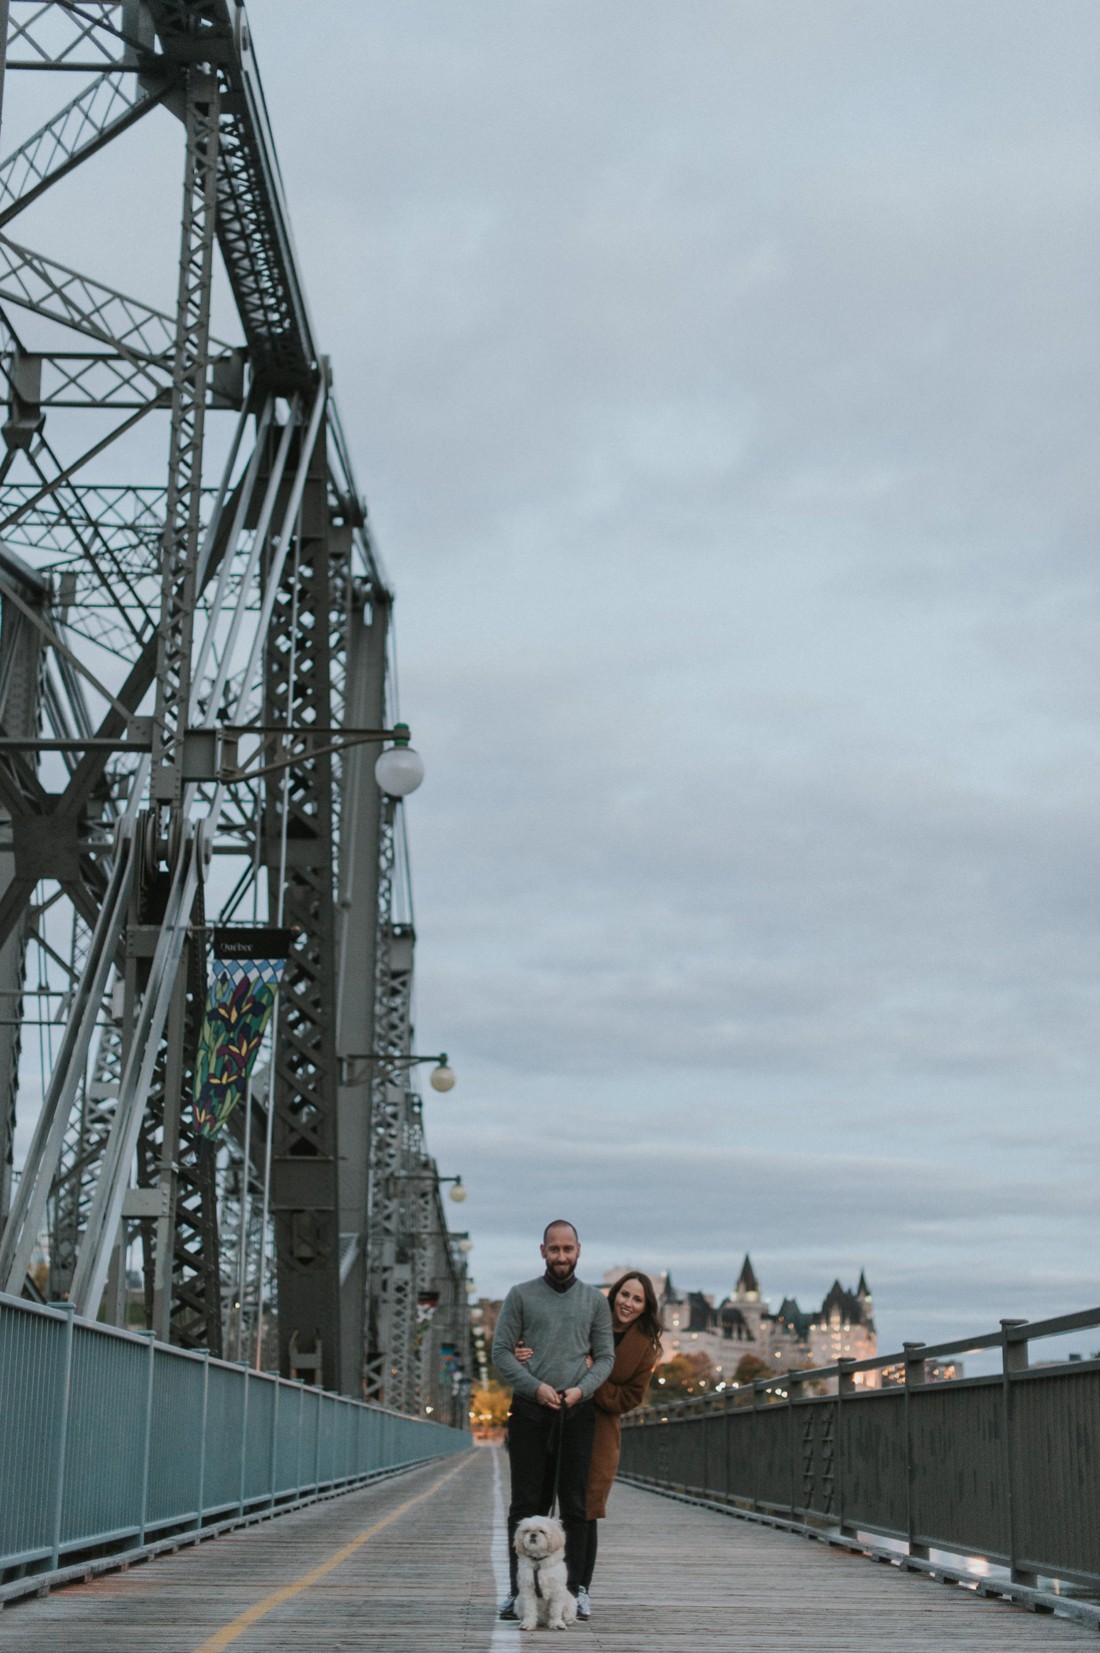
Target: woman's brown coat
(635, 1358)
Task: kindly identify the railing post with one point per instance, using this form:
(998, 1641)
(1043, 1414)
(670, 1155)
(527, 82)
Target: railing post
(704, 1425)
(202, 1439)
(1014, 1358)
(148, 1445)
(914, 1379)
(244, 1439)
(273, 1470)
(754, 1446)
(845, 1385)
(299, 1482)
(62, 1430)
(793, 1387)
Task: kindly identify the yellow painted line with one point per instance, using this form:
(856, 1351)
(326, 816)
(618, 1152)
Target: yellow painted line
(252, 1615)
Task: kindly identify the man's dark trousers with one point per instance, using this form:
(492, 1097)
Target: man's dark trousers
(532, 1449)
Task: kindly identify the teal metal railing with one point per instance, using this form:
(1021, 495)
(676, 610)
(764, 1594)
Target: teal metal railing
(999, 1470)
(111, 1442)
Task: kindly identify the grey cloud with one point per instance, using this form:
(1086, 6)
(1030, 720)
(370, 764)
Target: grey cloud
(583, 238)
(727, 398)
(805, 1218)
(725, 391)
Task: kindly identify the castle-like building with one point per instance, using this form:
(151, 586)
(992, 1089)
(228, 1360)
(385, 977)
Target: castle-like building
(743, 1324)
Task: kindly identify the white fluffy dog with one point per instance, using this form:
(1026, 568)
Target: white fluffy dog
(543, 1597)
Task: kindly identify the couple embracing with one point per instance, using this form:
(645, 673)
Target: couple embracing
(576, 1361)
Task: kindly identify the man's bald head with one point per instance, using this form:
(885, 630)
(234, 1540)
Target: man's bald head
(560, 1222)
(560, 1249)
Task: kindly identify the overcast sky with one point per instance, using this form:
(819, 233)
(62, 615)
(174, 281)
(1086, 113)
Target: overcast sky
(724, 380)
(723, 377)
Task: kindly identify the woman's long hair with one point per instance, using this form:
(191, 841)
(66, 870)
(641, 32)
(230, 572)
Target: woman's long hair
(650, 1318)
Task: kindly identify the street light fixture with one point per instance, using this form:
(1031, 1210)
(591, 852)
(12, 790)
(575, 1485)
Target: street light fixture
(458, 1192)
(442, 1077)
(213, 754)
(400, 768)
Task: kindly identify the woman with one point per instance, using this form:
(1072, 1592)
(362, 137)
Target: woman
(636, 1325)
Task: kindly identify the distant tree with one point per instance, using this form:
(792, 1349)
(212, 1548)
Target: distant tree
(680, 1377)
(489, 1405)
(750, 1368)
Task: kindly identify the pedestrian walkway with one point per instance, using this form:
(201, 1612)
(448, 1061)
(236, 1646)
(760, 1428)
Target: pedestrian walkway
(416, 1564)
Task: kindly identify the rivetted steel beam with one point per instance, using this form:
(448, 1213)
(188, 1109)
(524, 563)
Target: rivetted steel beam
(356, 952)
(175, 613)
(253, 223)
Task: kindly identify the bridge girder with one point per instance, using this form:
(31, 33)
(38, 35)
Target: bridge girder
(242, 588)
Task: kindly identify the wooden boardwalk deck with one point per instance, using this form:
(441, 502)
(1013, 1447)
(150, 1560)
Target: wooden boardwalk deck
(415, 1564)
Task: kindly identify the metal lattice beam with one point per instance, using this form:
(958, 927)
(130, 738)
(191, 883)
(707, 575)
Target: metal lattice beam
(298, 833)
(179, 563)
(99, 112)
(172, 612)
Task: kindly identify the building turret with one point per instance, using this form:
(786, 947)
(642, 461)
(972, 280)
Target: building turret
(747, 1287)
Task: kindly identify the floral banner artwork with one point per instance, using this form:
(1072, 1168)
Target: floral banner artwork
(426, 1304)
(247, 967)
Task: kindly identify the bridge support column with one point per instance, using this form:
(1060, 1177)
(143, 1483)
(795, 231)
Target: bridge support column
(357, 949)
(21, 666)
(298, 836)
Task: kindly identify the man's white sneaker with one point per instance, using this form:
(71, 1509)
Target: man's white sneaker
(584, 1606)
(508, 1608)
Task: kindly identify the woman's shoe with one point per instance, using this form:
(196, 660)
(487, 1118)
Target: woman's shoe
(584, 1606)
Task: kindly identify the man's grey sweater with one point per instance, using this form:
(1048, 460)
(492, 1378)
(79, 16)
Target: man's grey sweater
(562, 1327)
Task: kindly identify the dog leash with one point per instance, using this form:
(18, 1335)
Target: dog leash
(553, 1510)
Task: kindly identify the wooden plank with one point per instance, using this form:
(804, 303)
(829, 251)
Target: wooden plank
(671, 1579)
(686, 1580)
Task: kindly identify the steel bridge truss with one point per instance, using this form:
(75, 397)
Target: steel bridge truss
(193, 681)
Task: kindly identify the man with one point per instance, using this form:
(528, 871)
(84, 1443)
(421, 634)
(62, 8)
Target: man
(567, 1325)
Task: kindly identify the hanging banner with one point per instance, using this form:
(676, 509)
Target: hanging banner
(450, 1370)
(247, 967)
(426, 1304)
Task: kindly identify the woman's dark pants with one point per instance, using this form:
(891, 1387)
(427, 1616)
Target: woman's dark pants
(532, 1451)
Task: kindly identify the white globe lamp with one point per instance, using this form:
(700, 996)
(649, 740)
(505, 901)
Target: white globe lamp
(442, 1077)
(400, 768)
